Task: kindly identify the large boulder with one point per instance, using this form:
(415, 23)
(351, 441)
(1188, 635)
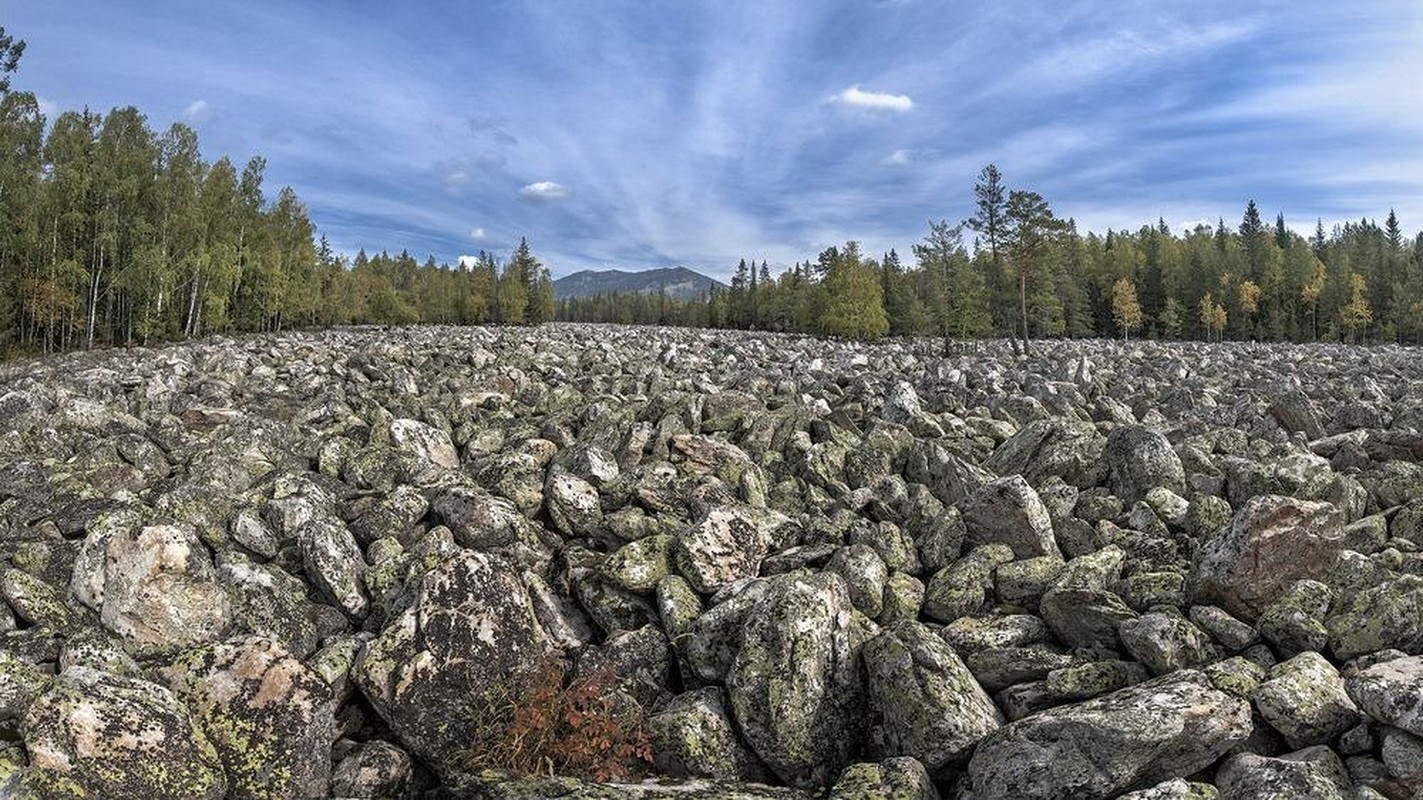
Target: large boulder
(98, 735)
(929, 704)
(693, 737)
(726, 545)
(795, 683)
(1304, 699)
(1139, 459)
(154, 586)
(1009, 511)
(1270, 543)
(1391, 693)
(1315, 772)
(270, 717)
(471, 628)
(1167, 727)
(1388, 615)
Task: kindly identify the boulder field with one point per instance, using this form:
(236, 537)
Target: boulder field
(314, 564)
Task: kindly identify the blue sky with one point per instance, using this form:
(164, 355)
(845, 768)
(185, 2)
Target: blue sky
(643, 134)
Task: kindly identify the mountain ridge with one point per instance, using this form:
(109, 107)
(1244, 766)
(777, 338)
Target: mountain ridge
(681, 283)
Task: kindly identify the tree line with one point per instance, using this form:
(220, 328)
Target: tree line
(114, 233)
(1029, 274)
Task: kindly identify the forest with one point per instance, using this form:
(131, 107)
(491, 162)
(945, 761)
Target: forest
(1031, 275)
(116, 234)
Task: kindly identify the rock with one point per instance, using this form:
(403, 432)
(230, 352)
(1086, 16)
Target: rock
(430, 446)
(573, 504)
(1379, 617)
(1165, 642)
(1391, 693)
(1294, 411)
(694, 737)
(961, 588)
(1139, 459)
(998, 668)
(1270, 543)
(1227, 631)
(471, 627)
(372, 769)
(864, 573)
(1086, 618)
(100, 735)
(900, 778)
(638, 566)
(1174, 789)
(1304, 699)
(334, 564)
(20, 684)
(795, 685)
(1170, 726)
(1314, 772)
(930, 705)
(969, 635)
(34, 601)
(1008, 511)
(153, 585)
(728, 544)
(270, 717)
(710, 643)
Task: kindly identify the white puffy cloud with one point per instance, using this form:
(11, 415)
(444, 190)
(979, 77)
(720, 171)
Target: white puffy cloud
(899, 157)
(196, 110)
(856, 97)
(544, 190)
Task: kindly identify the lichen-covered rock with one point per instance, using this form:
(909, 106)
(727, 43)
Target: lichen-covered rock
(725, 546)
(1315, 772)
(1167, 727)
(969, 635)
(372, 769)
(864, 573)
(1229, 632)
(431, 447)
(898, 778)
(694, 736)
(962, 587)
(334, 563)
(471, 628)
(1165, 642)
(1086, 618)
(572, 504)
(34, 601)
(1174, 789)
(1000, 667)
(929, 704)
(20, 684)
(1139, 459)
(270, 717)
(795, 682)
(153, 585)
(1270, 543)
(97, 735)
(1391, 692)
(1304, 699)
(1294, 623)
(1009, 511)
(1388, 615)
(638, 566)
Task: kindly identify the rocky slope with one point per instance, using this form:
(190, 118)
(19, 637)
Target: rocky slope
(291, 566)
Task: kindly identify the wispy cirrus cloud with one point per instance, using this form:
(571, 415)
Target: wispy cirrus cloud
(702, 137)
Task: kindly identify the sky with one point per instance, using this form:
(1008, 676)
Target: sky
(690, 132)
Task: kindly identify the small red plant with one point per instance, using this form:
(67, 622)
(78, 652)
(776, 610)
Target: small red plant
(546, 723)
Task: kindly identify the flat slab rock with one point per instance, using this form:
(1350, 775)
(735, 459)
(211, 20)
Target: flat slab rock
(1168, 727)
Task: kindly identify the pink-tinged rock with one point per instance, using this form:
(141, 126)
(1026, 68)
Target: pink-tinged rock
(1271, 542)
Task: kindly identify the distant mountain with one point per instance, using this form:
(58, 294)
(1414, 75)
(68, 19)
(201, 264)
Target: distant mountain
(678, 282)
